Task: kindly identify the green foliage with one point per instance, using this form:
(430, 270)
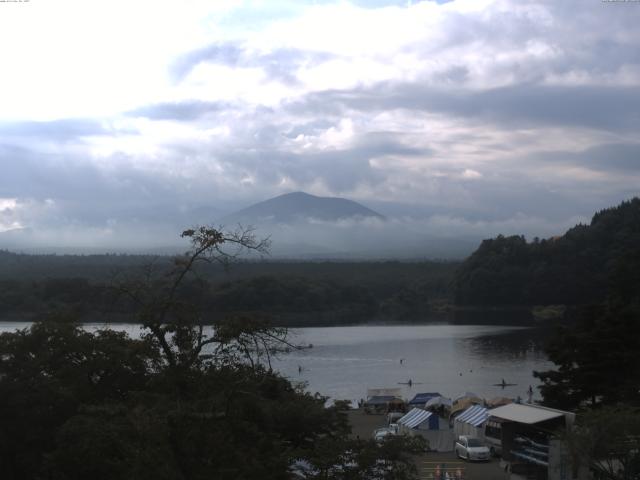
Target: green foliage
(597, 354)
(64, 416)
(607, 441)
(48, 372)
(291, 293)
(576, 268)
(596, 358)
(180, 403)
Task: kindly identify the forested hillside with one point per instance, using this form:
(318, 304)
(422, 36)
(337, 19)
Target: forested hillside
(578, 267)
(288, 292)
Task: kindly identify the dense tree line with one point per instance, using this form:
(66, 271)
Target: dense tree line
(576, 268)
(596, 371)
(101, 268)
(293, 293)
(178, 403)
(597, 374)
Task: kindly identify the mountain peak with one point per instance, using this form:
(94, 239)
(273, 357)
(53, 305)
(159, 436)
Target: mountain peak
(297, 194)
(295, 207)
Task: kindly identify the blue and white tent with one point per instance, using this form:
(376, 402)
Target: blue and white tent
(471, 421)
(419, 419)
(429, 426)
(476, 415)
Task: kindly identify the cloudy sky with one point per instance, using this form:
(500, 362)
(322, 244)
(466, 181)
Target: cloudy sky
(122, 122)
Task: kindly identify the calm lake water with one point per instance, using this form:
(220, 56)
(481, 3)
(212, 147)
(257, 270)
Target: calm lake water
(449, 359)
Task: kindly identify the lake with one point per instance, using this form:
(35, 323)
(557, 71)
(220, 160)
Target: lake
(449, 359)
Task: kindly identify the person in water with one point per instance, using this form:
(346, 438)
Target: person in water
(409, 382)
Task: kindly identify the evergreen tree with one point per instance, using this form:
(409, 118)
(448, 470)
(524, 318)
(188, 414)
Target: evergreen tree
(596, 358)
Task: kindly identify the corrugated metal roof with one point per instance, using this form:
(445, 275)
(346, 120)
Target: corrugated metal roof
(474, 415)
(529, 414)
(415, 417)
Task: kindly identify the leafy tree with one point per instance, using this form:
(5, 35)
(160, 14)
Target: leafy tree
(183, 402)
(607, 441)
(47, 372)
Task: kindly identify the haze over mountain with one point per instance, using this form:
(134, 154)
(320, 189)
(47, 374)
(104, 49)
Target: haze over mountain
(296, 207)
(302, 225)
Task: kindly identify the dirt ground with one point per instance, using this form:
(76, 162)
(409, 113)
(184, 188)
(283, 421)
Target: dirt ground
(363, 425)
(430, 463)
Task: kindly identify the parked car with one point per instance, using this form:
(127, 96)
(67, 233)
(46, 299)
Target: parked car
(393, 417)
(471, 448)
(380, 434)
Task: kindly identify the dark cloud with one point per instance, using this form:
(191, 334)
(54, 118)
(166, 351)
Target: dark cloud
(128, 201)
(610, 157)
(82, 194)
(606, 108)
(339, 169)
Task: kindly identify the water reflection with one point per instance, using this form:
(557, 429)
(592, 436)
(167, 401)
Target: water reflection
(449, 359)
(511, 345)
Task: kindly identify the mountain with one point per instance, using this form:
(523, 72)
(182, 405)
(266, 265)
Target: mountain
(296, 207)
(306, 226)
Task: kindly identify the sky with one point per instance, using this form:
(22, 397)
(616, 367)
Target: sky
(123, 122)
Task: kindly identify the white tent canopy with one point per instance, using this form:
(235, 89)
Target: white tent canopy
(438, 435)
(414, 418)
(474, 415)
(529, 414)
(436, 401)
(471, 421)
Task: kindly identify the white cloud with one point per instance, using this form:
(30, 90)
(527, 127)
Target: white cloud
(471, 174)
(484, 106)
